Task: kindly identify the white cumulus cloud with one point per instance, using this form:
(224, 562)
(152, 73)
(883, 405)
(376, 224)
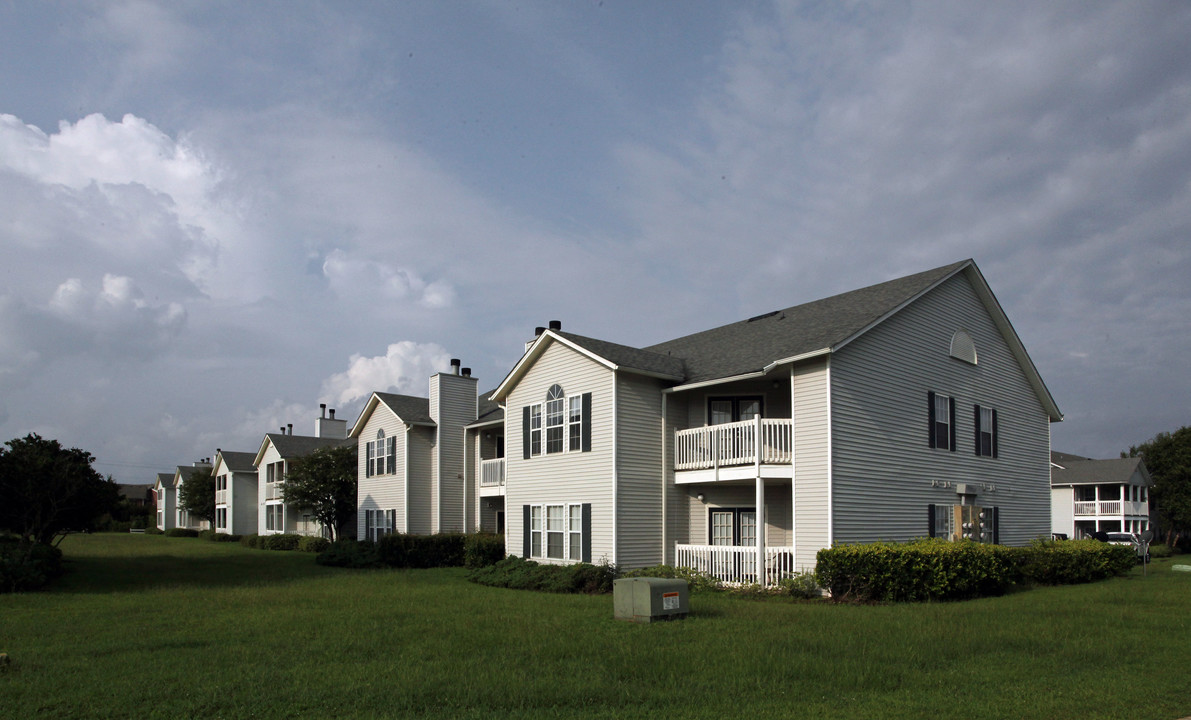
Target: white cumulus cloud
(405, 368)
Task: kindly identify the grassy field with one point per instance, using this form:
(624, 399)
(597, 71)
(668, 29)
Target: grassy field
(156, 627)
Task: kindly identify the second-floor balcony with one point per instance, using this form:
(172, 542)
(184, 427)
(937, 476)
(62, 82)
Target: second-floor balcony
(1084, 508)
(492, 474)
(759, 441)
(273, 491)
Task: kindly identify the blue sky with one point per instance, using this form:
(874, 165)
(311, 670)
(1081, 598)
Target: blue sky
(214, 216)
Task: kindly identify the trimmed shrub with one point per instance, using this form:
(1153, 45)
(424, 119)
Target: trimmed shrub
(223, 537)
(182, 532)
(1160, 550)
(421, 551)
(1069, 562)
(154, 531)
(927, 569)
(206, 535)
(26, 566)
(349, 553)
(251, 541)
(801, 585)
(313, 544)
(696, 581)
(521, 574)
(483, 549)
(283, 541)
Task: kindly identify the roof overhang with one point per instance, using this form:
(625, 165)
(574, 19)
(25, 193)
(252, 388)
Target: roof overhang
(260, 454)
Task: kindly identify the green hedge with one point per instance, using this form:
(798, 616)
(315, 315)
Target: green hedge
(182, 532)
(521, 574)
(695, 580)
(483, 549)
(422, 551)
(25, 566)
(154, 531)
(251, 541)
(350, 554)
(935, 569)
(283, 541)
(223, 537)
(311, 543)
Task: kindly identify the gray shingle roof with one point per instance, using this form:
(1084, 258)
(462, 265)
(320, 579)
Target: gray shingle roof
(629, 357)
(1082, 471)
(238, 461)
(166, 479)
(750, 345)
(292, 446)
(407, 407)
(489, 410)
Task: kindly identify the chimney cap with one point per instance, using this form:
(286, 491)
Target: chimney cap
(466, 372)
(538, 330)
(556, 324)
(455, 362)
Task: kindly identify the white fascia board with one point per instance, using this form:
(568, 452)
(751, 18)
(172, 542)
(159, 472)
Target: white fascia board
(532, 354)
(485, 424)
(796, 358)
(717, 381)
(365, 414)
(260, 454)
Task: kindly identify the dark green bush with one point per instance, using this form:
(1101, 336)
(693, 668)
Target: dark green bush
(153, 530)
(801, 585)
(350, 554)
(182, 532)
(421, 551)
(25, 566)
(483, 549)
(695, 580)
(927, 569)
(223, 537)
(1160, 550)
(1068, 562)
(206, 535)
(521, 574)
(310, 543)
(251, 541)
(282, 541)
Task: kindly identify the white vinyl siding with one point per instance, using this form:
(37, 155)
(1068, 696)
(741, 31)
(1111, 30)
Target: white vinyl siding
(383, 491)
(452, 405)
(567, 477)
(882, 465)
(423, 489)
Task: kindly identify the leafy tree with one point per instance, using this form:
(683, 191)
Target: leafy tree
(197, 494)
(47, 490)
(1168, 458)
(324, 482)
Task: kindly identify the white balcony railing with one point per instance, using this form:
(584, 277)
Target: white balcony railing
(1109, 507)
(492, 472)
(221, 497)
(736, 564)
(273, 490)
(738, 443)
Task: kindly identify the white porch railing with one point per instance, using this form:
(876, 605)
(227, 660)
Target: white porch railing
(221, 497)
(273, 491)
(1103, 507)
(736, 564)
(737, 443)
(492, 472)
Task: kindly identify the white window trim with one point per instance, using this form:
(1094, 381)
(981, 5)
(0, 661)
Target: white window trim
(571, 416)
(572, 517)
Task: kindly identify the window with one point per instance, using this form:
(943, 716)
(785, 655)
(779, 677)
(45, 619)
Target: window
(722, 410)
(275, 518)
(221, 518)
(964, 522)
(558, 532)
(378, 523)
(985, 422)
(941, 412)
(380, 455)
(733, 526)
(560, 424)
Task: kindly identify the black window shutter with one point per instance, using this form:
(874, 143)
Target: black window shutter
(951, 402)
(393, 521)
(994, 432)
(585, 425)
(586, 530)
(996, 512)
(368, 460)
(367, 524)
(526, 548)
(930, 519)
(930, 414)
(392, 453)
(976, 424)
(525, 437)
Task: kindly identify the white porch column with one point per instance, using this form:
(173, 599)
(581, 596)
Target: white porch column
(760, 502)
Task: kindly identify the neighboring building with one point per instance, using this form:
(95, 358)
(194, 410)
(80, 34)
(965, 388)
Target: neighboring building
(411, 459)
(167, 500)
(272, 461)
(905, 409)
(1089, 496)
(182, 518)
(236, 509)
(138, 495)
(484, 471)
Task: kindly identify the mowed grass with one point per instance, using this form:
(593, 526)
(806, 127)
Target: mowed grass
(155, 627)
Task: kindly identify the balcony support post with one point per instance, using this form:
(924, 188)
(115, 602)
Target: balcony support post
(761, 575)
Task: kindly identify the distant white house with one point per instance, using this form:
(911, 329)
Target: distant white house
(272, 461)
(1089, 496)
(236, 507)
(905, 409)
(167, 498)
(182, 518)
(411, 458)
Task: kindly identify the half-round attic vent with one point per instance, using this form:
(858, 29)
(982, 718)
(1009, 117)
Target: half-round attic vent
(962, 347)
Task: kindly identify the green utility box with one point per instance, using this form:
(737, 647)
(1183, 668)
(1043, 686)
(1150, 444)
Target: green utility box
(648, 599)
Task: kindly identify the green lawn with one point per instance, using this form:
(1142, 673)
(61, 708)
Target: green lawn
(149, 626)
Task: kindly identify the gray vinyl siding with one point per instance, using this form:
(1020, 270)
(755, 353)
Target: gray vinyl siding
(242, 510)
(568, 477)
(453, 405)
(481, 443)
(679, 498)
(422, 485)
(380, 492)
(883, 467)
(639, 471)
(811, 465)
(777, 508)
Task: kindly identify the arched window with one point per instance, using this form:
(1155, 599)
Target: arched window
(555, 418)
(381, 456)
(559, 424)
